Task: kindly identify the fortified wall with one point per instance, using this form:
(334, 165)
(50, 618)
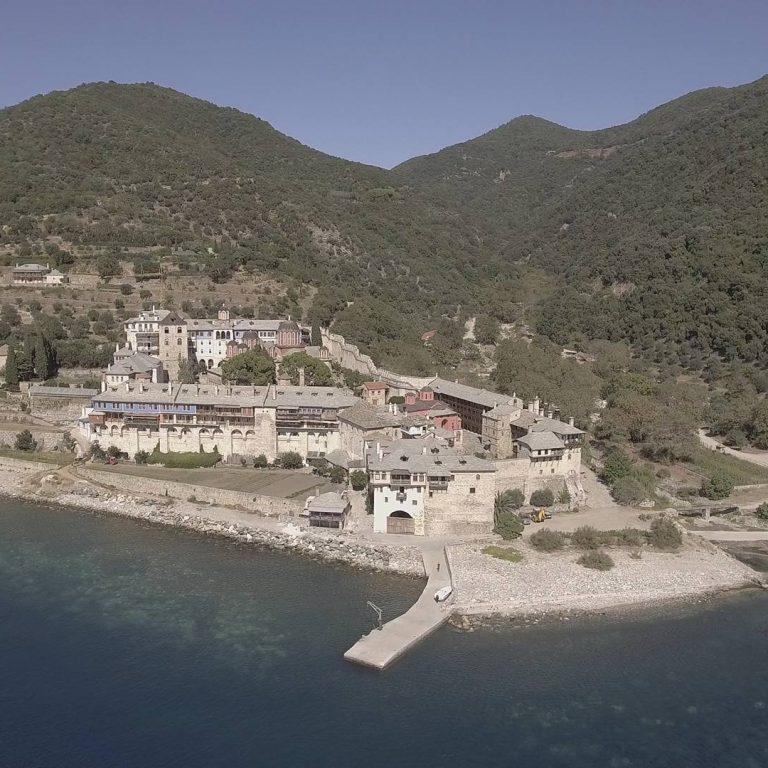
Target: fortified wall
(349, 355)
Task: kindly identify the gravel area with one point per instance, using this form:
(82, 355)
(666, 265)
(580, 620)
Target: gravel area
(555, 583)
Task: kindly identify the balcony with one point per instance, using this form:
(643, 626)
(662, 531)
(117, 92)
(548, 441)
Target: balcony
(438, 485)
(401, 496)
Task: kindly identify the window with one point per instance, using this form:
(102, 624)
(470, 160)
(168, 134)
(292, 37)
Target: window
(472, 489)
(414, 502)
(552, 470)
(166, 330)
(386, 499)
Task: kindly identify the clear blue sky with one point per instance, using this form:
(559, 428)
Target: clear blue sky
(380, 82)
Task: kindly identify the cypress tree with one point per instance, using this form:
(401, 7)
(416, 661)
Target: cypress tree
(25, 360)
(11, 370)
(315, 337)
(44, 358)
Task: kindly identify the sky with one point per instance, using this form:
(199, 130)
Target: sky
(380, 82)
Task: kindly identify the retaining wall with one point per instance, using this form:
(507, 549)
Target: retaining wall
(45, 440)
(350, 356)
(268, 506)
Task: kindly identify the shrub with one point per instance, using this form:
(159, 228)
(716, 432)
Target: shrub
(762, 511)
(97, 453)
(630, 537)
(597, 561)
(665, 534)
(719, 486)
(260, 461)
(337, 474)
(290, 460)
(25, 442)
(144, 293)
(189, 460)
(503, 553)
(126, 289)
(113, 451)
(564, 497)
(617, 464)
(587, 537)
(547, 540)
(508, 525)
(141, 457)
(358, 479)
(542, 498)
(629, 490)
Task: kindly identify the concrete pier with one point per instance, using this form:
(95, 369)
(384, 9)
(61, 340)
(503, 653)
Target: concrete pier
(381, 647)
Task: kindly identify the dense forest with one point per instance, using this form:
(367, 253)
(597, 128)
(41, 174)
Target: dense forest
(650, 237)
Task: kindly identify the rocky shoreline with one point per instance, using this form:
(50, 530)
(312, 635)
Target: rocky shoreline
(336, 547)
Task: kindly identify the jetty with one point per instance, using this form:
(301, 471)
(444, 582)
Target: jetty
(383, 646)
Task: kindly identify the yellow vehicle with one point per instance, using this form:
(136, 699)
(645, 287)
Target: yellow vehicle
(540, 515)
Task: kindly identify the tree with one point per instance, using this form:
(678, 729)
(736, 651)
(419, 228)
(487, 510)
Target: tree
(542, 498)
(253, 367)
(25, 360)
(108, 266)
(25, 442)
(188, 371)
(617, 464)
(664, 534)
(358, 480)
(141, 457)
(506, 521)
(316, 338)
(260, 461)
(719, 486)
(290, 460)
(486, 329)
(11, 370)
(337, 474)
(316, 373)
(45, 358)
(762, 511)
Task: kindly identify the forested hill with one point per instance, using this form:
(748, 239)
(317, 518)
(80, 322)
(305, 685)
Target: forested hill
(654, 232)
(657, 228)
(140, 165)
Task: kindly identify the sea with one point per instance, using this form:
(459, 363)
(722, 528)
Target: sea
(128, 645)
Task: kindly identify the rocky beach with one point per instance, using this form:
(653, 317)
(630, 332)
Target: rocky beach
(539, 585)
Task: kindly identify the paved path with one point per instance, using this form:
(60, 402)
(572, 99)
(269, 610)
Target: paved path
(380, 648)
(755, 458)
(731, 535)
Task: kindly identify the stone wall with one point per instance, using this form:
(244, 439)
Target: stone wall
(529, 476)
(350, 356)
(59, 410)
(19, 465)
(457, 511)
(84, 281)
(46, 439)
(268, 506)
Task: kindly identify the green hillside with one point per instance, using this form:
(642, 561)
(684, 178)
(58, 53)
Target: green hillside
(653, 232)
(656, 229)
(137, 166)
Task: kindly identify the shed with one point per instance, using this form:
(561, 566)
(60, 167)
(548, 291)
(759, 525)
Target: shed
(328, 510)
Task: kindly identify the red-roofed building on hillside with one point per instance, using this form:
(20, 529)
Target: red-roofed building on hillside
(438, 412)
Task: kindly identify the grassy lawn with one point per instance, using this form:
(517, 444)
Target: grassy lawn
(742, 472)
(44, 457)
(510, 554)
(282, 483)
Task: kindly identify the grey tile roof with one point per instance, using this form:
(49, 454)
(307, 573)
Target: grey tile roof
(31, 268)
(362, 415)
(543, 424)
(430, 457)
(540, 441)
(139, 362)
(309, 397)
(470, 394)
(329, 502)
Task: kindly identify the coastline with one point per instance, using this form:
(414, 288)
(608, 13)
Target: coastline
(488, 592)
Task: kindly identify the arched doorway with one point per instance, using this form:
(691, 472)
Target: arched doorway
(400, 522)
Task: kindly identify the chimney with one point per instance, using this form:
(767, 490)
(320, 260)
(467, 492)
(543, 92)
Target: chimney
(215, 389)
(127, 386)
(301, 377)
(570, 421)
(103, 386)
(536, 405)
(274, 392)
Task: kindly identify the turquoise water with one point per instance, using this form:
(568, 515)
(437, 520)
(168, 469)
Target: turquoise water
(127, 645)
